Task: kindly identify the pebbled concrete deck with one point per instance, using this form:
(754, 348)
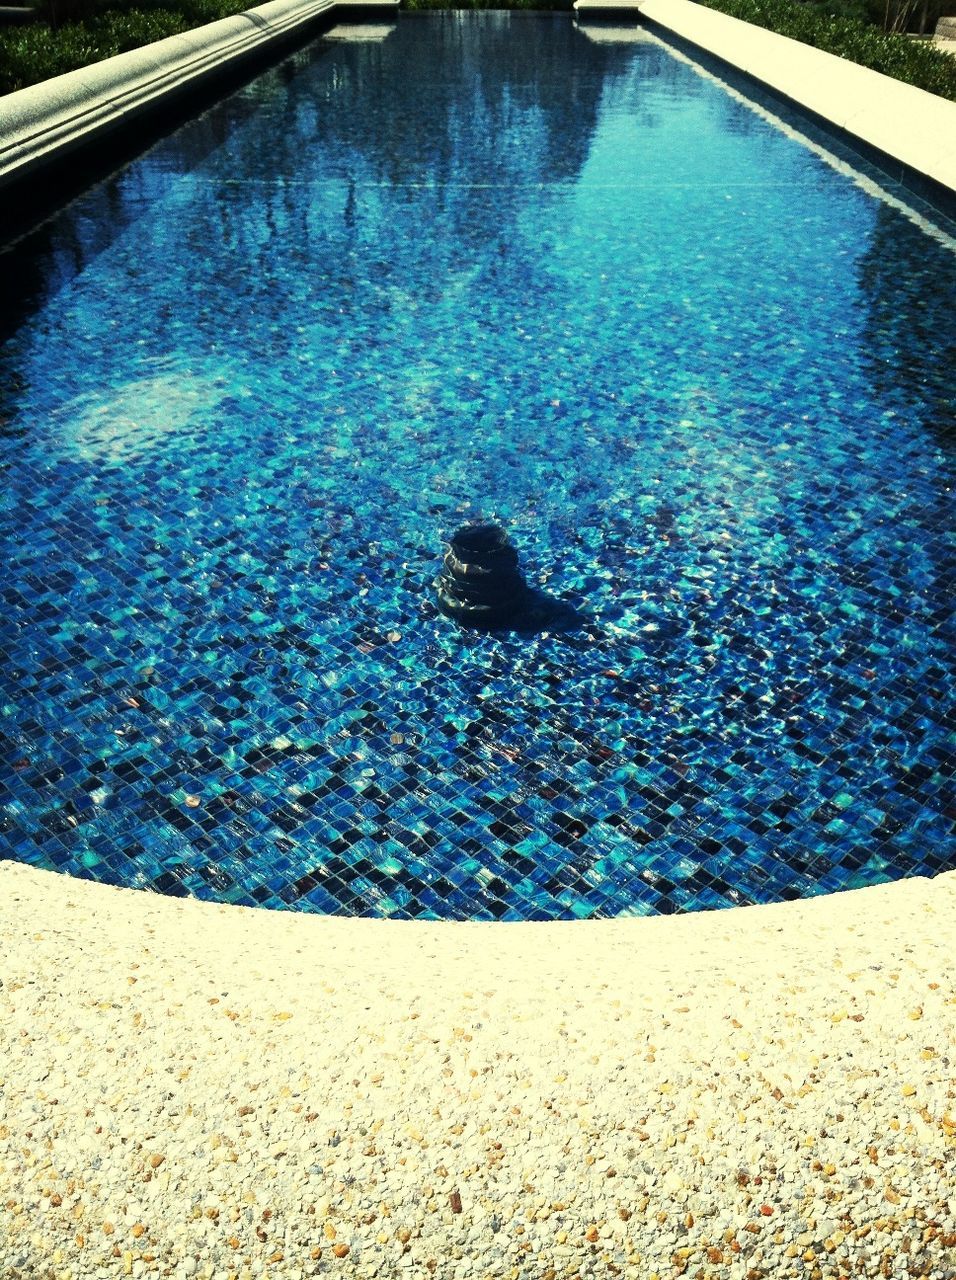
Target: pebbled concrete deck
(908, 125)
(190, 1089)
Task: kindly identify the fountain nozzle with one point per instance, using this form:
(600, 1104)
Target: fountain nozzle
(480, 583)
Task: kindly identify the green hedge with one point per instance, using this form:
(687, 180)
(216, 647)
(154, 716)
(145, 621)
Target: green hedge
(914, 61)
(37, 51)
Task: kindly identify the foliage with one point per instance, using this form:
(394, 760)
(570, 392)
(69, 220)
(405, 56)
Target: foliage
(890, 15)
(913, 61)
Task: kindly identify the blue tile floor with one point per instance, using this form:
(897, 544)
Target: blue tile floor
(485, 268)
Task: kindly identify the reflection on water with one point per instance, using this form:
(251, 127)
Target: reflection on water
(485, 266)
(360, 31)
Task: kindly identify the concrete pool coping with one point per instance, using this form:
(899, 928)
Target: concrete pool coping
(194, 1089)
(906, 125)
(48, 122)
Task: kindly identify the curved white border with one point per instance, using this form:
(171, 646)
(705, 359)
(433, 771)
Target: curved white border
(506, 1068)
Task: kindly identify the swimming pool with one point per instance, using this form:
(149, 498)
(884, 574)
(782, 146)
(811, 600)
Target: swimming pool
(479, 266)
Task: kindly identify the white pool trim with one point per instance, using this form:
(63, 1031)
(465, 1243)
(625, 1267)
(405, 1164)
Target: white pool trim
(915, 128)
(199, 1090)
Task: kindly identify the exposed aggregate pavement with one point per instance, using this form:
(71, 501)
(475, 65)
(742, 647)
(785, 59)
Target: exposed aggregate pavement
(195, 1090)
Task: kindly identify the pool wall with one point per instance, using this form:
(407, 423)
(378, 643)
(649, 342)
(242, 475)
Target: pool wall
(912, 129)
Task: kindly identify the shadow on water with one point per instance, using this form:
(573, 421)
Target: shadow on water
(55, 229)
(541, 613)
(909, 283)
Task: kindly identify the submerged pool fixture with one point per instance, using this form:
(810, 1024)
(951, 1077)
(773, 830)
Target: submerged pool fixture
(481, 583)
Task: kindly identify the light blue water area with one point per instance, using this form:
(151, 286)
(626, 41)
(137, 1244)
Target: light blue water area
(486, 266)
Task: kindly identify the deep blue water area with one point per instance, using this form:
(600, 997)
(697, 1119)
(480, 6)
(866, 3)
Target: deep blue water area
(482, 266)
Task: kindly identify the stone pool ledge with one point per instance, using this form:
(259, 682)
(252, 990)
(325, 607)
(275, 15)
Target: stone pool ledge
(909, 126)
(189, 1089)
(49, 121)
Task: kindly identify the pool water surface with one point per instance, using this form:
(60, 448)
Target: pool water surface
(481, 266)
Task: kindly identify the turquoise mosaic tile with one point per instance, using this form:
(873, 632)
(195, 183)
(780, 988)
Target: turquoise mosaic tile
(486, 268)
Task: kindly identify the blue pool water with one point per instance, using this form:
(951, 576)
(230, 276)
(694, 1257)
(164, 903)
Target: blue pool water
(485, 267)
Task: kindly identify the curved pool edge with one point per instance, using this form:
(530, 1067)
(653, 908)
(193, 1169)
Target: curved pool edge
(354, 1076)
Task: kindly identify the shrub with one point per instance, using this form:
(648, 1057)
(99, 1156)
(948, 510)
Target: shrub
(32, 53)
(41, 50)
(916, 62)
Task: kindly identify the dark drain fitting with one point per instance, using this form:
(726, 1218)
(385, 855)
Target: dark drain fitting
(481, 583)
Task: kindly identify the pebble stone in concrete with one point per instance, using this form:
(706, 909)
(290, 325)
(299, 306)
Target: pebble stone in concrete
(195, 1090)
